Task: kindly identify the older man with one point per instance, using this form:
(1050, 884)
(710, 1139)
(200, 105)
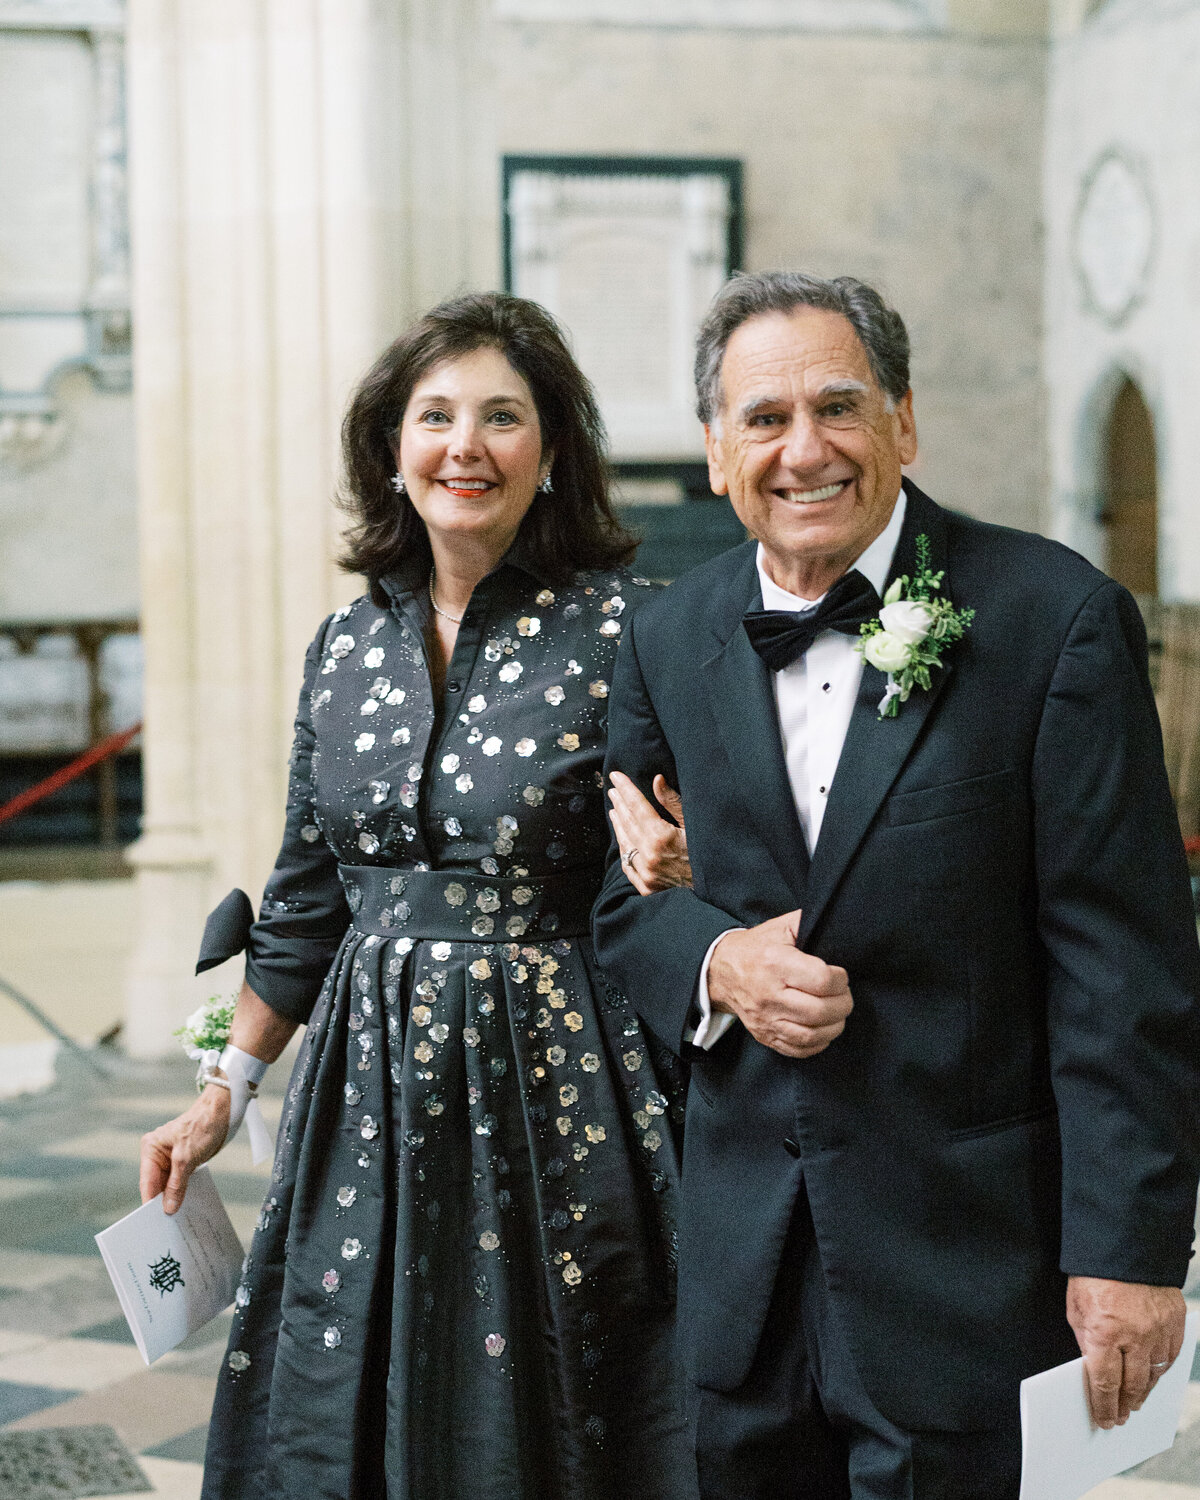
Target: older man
(938, 974)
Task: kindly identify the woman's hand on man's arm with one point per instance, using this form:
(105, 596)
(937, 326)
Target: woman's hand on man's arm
(172, 1153)
(654, 851)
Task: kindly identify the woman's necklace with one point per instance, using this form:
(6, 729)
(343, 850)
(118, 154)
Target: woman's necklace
(445, 614)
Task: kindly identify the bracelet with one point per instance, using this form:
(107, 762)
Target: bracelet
(221, 1083)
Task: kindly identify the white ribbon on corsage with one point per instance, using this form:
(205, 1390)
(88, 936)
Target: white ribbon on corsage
(243, 1072)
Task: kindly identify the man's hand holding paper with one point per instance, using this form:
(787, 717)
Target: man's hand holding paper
(1129, 1336)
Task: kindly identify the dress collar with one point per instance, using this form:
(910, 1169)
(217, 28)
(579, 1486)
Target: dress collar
(411, 574)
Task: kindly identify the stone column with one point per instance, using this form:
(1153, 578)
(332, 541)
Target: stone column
(276, 227)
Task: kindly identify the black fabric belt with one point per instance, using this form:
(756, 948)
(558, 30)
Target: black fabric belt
(446, 906)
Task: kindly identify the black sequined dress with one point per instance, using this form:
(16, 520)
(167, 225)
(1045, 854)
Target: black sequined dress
(461, 1285)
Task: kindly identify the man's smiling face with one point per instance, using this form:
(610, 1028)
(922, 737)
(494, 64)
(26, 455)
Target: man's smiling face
(807, 445)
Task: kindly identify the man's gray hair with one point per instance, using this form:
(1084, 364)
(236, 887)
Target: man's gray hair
(747, 295)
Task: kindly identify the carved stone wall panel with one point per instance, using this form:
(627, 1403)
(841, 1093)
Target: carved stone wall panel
(1114, 235)
(64, 240)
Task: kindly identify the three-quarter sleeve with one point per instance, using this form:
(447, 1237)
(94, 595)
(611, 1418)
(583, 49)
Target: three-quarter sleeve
(304, 915)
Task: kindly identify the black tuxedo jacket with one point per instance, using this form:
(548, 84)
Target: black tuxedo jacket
(1016, 1096)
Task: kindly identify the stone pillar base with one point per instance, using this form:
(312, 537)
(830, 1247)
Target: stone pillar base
(172, 878)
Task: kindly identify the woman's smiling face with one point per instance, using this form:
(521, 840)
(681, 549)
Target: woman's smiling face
(470, 450)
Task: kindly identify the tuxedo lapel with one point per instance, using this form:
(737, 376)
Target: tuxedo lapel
(739, 691)
(875, 749)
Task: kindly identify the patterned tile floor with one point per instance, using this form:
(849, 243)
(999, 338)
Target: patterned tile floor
(68, 1169)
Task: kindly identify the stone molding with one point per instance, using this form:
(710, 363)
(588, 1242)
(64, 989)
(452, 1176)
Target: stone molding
(778, 15)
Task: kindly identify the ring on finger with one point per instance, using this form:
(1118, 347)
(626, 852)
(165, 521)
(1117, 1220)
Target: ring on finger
(1162, 1364)
(628, 859)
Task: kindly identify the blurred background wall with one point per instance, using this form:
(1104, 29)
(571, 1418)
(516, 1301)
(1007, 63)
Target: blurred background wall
(298, 178)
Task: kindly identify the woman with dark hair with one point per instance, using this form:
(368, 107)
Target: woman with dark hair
(461, 1282)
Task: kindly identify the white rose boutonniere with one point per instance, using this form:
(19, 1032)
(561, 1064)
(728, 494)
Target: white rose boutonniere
(886, 651)
(914, 627)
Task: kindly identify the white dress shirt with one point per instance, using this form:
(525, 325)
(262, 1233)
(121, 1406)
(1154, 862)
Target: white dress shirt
(814, 699)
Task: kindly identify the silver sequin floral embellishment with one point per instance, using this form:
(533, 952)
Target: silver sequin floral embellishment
(351, 1249)
(477, 704)
(333, 1337)
(364, 742)
(545, 599)
(599, 688)
(489, 1240)
(346, 1196)
(525, 747)
(331, 1281)
(495, 1344)
(455, 893)
(450, 764)
(610, 627)
(239, 1360)
(368, 1129)
(528, 625)
(374, 657)
(510, 671)
(554, 695)
(342, 646)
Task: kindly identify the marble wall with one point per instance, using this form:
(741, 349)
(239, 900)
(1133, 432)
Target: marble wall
(911, 158)
(1122, 275)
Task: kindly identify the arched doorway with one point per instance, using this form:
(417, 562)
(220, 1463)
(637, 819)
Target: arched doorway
(1130, 489)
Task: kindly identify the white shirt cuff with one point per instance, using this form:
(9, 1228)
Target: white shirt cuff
(713, 1025)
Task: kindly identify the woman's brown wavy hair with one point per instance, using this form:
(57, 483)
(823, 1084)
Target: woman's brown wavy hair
(572, 528)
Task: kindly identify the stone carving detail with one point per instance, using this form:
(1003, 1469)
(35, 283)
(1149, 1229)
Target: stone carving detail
(798, 15)
(39, 342)
(1114, 236)
(628, 263)
(108, 298)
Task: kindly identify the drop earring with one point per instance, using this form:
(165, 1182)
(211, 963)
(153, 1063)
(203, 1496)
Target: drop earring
(398, 484)
(546, 488)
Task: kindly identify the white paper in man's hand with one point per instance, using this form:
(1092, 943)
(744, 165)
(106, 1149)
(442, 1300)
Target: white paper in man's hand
(1064, 1456)
(173, 1272)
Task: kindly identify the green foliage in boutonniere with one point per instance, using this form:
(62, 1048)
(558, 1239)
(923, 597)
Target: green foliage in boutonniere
(914, 627)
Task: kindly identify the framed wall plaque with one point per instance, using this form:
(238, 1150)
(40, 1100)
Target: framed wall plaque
(627, 252)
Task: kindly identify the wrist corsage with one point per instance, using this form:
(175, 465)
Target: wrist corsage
(205, 1034)
(912, 631)
(205, 1037)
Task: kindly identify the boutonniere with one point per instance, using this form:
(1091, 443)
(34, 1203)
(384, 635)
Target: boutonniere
(914, 628)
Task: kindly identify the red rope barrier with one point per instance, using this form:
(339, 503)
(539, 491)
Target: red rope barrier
(110, 746)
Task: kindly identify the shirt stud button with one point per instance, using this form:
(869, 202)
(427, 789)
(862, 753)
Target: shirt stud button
(825, 686)
(454, 687)
(791, 1147)
(821, 790)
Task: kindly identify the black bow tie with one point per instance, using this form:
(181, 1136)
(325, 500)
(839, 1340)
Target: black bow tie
(781, 637)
